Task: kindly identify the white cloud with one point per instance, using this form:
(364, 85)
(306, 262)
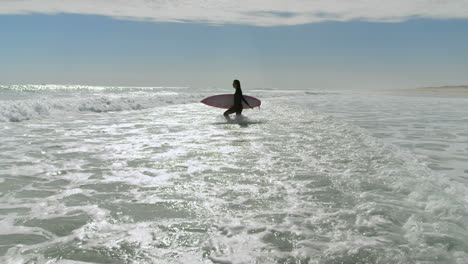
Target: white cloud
(251, 12)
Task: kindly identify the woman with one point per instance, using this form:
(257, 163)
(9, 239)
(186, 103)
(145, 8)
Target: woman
(238, 98)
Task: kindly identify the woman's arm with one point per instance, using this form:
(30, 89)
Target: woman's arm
(243, 98)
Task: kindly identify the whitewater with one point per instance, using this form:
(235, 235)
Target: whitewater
(150, 175)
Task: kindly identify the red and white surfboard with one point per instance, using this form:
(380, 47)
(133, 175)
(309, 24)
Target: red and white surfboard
(227, 101)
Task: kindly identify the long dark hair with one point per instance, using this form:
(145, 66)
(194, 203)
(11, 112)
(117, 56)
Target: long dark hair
(237, 83)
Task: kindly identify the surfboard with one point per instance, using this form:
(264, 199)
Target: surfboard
(227, 101)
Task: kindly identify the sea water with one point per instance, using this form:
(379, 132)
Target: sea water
(150, 175)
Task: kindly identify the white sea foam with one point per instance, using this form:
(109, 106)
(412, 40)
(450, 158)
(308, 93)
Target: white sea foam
(26, 102)
(176, 183)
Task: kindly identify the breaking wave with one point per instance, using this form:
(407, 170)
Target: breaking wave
(26, 102)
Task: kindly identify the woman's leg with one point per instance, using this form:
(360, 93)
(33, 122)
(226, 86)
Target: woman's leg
(231, 110)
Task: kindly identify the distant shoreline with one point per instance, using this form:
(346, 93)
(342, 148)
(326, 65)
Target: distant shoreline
(459, 90)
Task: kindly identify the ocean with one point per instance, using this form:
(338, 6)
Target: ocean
(150, 175)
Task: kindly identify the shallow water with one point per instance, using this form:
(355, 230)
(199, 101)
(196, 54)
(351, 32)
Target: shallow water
(336, 178)
(432, 128)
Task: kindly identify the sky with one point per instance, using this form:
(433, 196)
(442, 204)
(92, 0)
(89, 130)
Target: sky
(293, 44)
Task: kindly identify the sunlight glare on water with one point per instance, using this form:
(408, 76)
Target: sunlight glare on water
(90, 176)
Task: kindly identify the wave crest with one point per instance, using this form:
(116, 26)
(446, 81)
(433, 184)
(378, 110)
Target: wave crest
(47, 105)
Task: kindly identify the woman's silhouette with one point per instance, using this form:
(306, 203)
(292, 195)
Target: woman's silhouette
(238, 98)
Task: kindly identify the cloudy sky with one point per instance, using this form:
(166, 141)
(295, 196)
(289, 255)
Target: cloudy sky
(330, 44)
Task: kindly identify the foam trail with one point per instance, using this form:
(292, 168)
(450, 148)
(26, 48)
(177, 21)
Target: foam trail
(175, 184)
